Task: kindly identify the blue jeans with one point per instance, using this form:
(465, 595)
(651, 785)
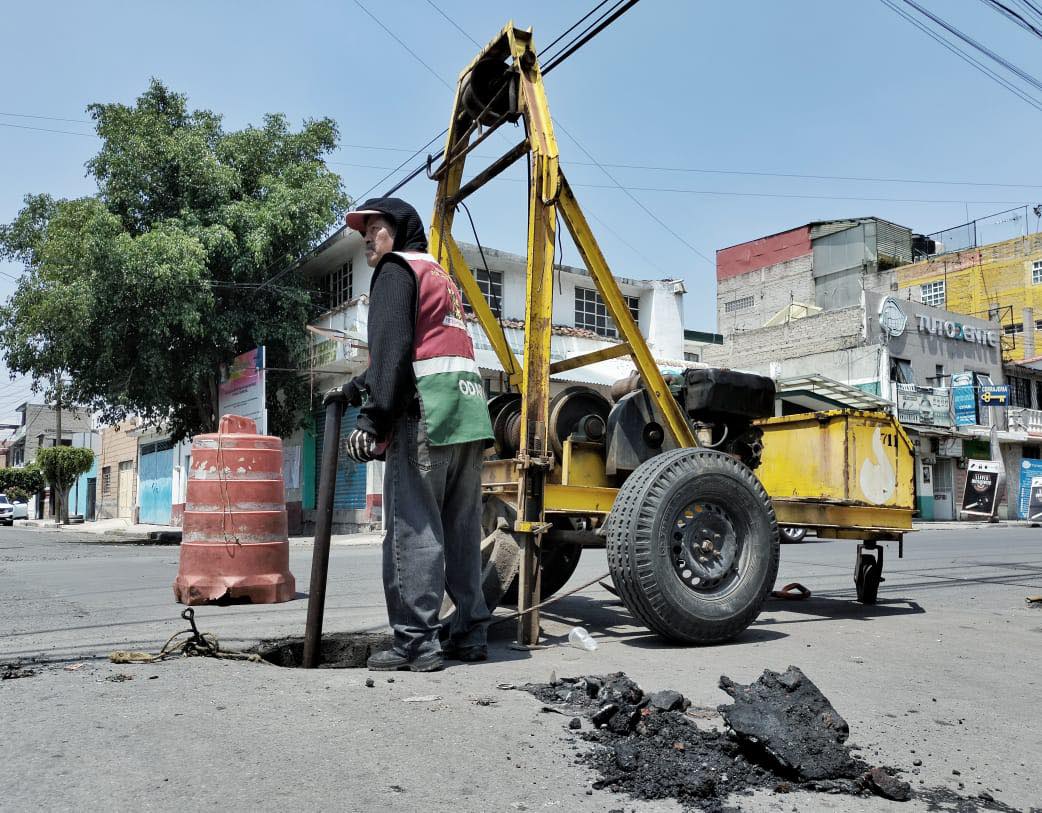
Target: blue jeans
(432, 512)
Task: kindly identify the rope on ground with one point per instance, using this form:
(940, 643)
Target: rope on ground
(551, 600)
(197, 644)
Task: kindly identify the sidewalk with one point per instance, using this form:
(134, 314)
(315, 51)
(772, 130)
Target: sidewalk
(122, 530)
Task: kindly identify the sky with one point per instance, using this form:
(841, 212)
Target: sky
(699, 99)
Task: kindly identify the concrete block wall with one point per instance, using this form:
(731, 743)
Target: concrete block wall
(772, 287)
(803, 339)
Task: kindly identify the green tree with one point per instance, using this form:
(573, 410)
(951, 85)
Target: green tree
(140, 293)
(27, 480)
(61, 465)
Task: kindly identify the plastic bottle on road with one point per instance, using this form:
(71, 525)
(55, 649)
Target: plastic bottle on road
(581, 639)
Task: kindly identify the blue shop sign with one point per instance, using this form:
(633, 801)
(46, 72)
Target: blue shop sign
(965, 406)
(994, 395)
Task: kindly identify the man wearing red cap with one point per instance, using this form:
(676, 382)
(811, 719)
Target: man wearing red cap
(423, 406)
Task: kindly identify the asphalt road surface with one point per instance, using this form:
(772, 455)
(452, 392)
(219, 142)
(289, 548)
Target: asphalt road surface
(944, 669)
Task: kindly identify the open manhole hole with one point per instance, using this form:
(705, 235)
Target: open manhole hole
(341, 650)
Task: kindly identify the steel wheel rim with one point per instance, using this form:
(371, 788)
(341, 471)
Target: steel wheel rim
(705, 547)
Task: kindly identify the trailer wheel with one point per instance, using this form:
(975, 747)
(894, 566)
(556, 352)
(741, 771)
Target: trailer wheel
(866, 580)
(556, 566)
(693, 545)
(792, 533)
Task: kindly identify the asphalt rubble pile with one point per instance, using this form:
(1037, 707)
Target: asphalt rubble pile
(781, 734)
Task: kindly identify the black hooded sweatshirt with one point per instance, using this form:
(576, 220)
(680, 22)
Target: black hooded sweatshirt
(392, 322)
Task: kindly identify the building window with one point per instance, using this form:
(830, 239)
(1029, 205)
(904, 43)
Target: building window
(591, 312)
(1019, 392)
(933, 293)
(691, 357)
(1010, 330)
(738, 304)
(338, 287)
(491, 285)
(901, 371)
(1036, 272)
(106, 480)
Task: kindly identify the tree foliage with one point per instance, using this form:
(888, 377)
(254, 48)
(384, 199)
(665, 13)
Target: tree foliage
(27, 479)
(141, 292)
(61, 465)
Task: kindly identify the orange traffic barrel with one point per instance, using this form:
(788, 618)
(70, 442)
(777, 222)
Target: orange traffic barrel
(234, 542)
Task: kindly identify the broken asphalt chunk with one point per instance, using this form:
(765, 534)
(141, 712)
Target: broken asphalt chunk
(785, 719)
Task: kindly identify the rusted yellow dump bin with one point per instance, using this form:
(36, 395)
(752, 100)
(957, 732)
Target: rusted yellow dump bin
(844, 470)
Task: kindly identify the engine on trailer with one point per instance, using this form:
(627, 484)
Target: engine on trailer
(720, 404)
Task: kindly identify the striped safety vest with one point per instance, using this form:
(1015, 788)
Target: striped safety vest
(452, 395)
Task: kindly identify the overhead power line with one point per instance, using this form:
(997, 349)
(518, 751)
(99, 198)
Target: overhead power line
(409, 50)
(963, 55)
(1014, 15)
(46, 118)
(46, 129)
(973, 43)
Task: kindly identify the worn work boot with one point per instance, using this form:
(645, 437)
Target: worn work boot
(467, 654)
(391, 661)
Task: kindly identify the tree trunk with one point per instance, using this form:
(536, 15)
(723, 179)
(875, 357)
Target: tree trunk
(61, 497)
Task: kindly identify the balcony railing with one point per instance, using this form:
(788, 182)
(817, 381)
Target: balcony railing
(1023, 419)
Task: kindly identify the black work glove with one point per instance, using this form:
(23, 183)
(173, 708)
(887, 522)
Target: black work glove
(360, 446)
(354, 391)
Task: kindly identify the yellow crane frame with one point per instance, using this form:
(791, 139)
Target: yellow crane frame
(549, 194)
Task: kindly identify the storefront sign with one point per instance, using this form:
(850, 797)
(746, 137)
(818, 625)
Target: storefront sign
(982, 480)
(994, 395)
(1035, 500)
(963, 402)
(957, 331)
(242, 389)
(1030, 470)
(923, 406)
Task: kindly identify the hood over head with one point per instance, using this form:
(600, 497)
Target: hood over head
(409, 234)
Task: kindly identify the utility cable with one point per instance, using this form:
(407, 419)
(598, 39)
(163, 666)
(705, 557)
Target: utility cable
(1013, 15)
(704, 171)
(973, 43)
(409, 50)
(46, 118)
(631, 196)
(578, 43)
(963, 55)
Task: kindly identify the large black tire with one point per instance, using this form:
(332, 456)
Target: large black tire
(556, 565)
(657, 512)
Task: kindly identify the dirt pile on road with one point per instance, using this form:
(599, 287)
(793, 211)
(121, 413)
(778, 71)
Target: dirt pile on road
(782, 734)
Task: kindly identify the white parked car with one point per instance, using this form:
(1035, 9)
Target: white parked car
(6, 511)
(10, 511)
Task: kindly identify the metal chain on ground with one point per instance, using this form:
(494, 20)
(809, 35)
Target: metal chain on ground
(198, 644)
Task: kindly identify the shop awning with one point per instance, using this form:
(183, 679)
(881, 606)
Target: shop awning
(818, 392)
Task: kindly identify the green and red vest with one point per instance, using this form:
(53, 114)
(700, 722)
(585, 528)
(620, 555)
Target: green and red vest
(452, 395)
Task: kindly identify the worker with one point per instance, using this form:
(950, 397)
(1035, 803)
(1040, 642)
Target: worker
(423, 409)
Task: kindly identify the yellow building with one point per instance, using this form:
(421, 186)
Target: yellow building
(998, 280)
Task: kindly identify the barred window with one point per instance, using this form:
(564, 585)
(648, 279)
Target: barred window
(491, 284)
(106, 480)
(933, 293)
(1019, 391)
(591, 312)
(691, 357)
(1036, 272)
(338, 287)
(738, 304)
